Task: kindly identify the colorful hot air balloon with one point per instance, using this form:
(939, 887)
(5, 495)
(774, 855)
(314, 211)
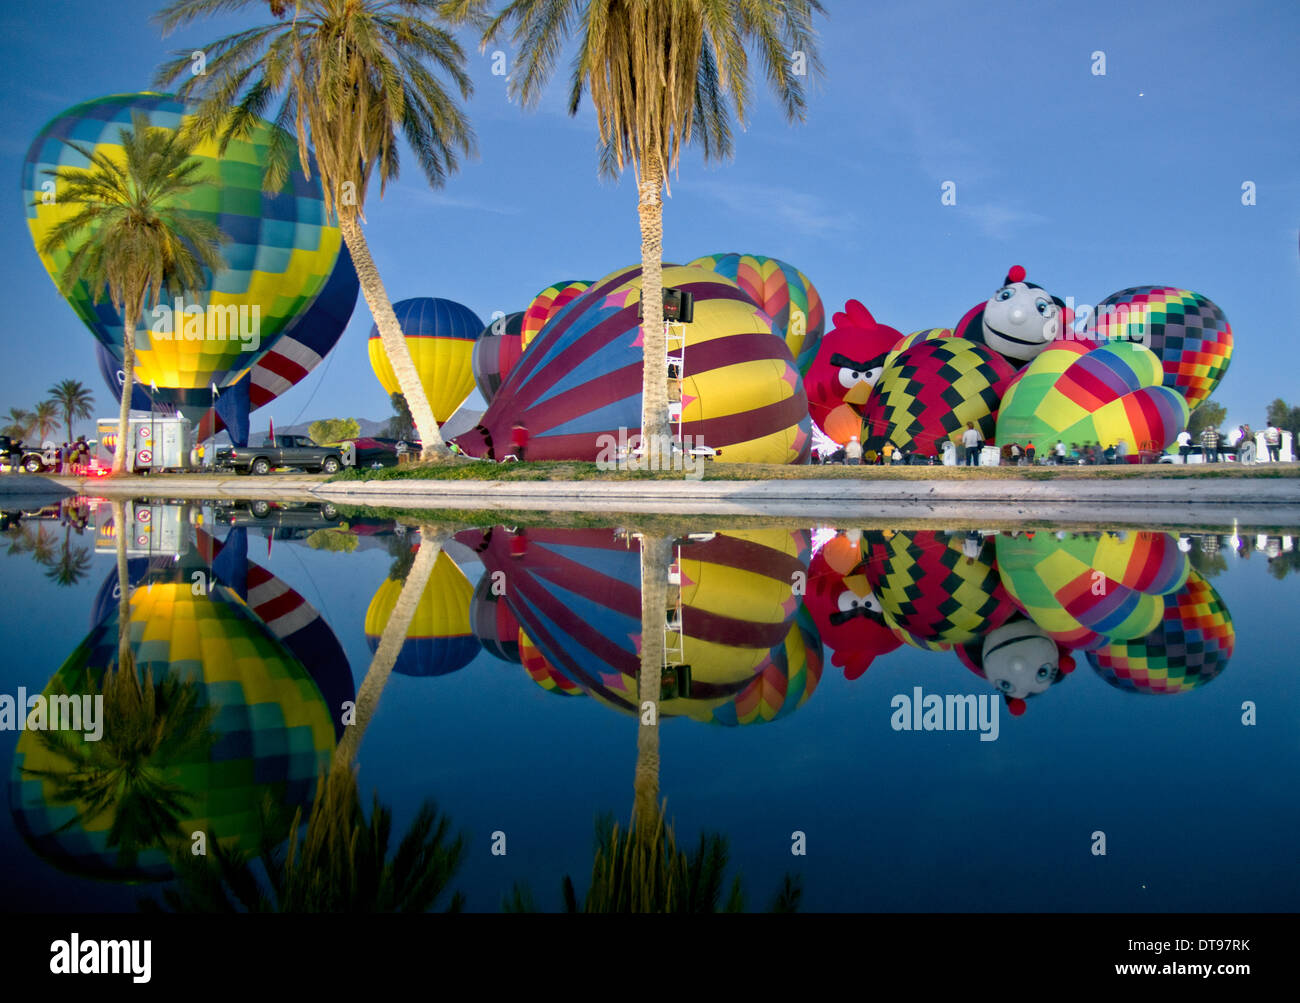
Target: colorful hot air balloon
(782, 292)
(547, 304)
(270, 738)
(579, 384)
(784, 682)
(440, 334)
(111, 369)
(1111, 392)
(928, 392)
(542, 672)
(847, 613)
(1188, 333)
(280, 254)
(496, 351)
(847, 365)
(1086, 590)
(1018, 321)
(1190, 646)
(493, 623)
(440, 640)
(936, 589)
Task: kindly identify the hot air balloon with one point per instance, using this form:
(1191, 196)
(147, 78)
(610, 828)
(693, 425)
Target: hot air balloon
(440, 334)
(111, 369)
(847, 365)
(270, 738)
(783, 683)
(496, 351)
(1188, 333)
(1018, 659)
(847, 613)
(937, 590)
(579, 385)
(927, 393)
(280, 254)
(493, 623)
(439, 640)
(1086, 590)
(1018, 321)
(783, 292)
(542, 672)
(1111, 392)
(546, 304)
(1189, 647)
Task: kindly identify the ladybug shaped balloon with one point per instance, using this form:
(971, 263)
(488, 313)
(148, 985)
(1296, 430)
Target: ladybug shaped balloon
(849, 361)
(1018, 321)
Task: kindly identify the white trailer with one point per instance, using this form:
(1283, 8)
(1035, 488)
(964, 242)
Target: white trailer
(157, 443)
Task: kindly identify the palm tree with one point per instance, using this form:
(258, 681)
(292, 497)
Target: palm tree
(661, 73)
(21, 423)
(46, 418)
(130, 238)
(73, 563)
(349, 75)
(75, 400)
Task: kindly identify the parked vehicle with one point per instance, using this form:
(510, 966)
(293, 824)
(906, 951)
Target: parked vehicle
(1227, 454)
(298, 451)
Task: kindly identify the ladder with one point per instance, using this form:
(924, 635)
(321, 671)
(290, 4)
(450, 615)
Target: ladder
(675, 361)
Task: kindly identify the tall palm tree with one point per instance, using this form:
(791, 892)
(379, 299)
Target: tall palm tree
(349, 76)
(72, 564)
(73, 397)
(21, 423)
(129, 238)
(661, 74)
(46, 418)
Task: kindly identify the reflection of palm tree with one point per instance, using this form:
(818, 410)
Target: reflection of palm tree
(73, 563)
(656, 554)
(340, 862)
(34, 540)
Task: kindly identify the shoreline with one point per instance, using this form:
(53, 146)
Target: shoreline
(1177, 501)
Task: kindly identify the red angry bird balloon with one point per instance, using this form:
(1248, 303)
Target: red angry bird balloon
(848, 615)
(848, 362)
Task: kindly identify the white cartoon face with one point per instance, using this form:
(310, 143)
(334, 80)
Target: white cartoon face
(1019, 659)
(1020, 321)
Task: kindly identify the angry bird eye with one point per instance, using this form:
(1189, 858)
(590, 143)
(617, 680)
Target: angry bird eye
(874, 374)
(1046, 308)
(850, 377)
(1004, 294)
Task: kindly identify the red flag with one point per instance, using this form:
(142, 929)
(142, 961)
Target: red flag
(272, 420)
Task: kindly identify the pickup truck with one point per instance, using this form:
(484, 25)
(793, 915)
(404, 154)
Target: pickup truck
(283, 451)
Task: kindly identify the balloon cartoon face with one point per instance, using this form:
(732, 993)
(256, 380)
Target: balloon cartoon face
(1018, 321)
(1019, 659)
(848, 613)
(849, 362)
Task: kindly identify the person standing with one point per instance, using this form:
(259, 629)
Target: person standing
(1029, 452)
(1015, 454)
(1273, 440)
(1184, 444)
(1060, 453)
(1121, 451)
(971, 440)
(519, 439)
(853, 451)
(1210, 444)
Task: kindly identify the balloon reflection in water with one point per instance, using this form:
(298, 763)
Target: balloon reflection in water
(440, 640)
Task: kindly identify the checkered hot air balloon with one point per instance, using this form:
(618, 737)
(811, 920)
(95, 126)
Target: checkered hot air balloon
(578, 387)
(1089, 589)
(929, 391)
(281, 251)
(783, 683)
(440, 335)
(271, 736)
(1073, 392)
(783, 292)
(1190, 646)
(547, 304)
(1187, 331)
(440, 639)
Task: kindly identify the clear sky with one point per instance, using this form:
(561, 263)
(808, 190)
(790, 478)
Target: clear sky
(1093, 183)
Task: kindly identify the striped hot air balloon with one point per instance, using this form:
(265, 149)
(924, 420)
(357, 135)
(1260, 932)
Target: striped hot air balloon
(282, 249)
(783, 292)
(441, 335)
(1190, 646)
(271, 735)
(542, 672)
(496, 352)
(1086, 590)
(1114, 391)
(579, 385)
(493, 622)
(547, 304)
(440, 640)
(1187, 332)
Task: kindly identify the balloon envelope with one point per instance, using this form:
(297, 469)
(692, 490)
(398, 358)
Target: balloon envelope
(496, 351)
(440, 335)
(440, 640)
(546, 304)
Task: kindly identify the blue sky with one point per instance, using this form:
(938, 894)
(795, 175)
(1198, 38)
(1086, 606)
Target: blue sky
(1093, 183)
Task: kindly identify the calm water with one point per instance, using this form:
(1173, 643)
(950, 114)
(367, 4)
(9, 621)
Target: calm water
(1136, 689)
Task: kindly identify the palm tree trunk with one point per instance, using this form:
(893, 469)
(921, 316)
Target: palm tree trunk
(390, 644)
(123, 586)
(128, 384)
(390, 333)
(654, 367)
(656, 553)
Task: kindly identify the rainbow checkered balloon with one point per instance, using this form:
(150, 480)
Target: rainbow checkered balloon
(1188, 332)
(785, 681)
(1191, 645)
(281, 251)
(546, 304)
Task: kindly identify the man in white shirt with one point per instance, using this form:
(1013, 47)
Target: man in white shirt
(971, 440)
(1060, 453)
(1184, 444)
(853, 451)
(1121, 451)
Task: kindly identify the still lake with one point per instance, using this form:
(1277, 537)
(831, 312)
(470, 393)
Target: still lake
(906, 719)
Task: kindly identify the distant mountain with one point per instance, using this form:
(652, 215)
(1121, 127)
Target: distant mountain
(462, 421)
